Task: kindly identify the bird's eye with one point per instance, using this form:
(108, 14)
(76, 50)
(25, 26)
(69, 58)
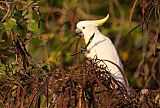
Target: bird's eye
(83, 27)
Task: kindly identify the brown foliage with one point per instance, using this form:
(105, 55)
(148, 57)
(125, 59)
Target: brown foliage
(84, 86)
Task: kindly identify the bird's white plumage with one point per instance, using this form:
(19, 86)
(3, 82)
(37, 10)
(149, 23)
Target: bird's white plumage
(101, 47)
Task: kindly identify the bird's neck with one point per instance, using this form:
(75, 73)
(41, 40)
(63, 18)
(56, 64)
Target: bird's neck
(96, 36)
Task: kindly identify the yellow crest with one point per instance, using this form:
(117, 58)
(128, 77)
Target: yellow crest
(102, 21)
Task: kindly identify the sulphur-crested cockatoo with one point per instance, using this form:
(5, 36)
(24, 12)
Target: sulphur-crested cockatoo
(101, 47)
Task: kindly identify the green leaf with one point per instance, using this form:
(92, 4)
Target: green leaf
(29, 15)
(24, 12)
(29, 2)
(2, 68)
(30, 21)
(12, 23)
(9, 25)
(32, 25)
(29, 28)
(68, 56)
(2, 41)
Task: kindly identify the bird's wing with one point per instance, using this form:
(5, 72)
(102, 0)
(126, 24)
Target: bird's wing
(105, 49)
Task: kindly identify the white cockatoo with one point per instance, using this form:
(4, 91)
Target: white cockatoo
(101, 47)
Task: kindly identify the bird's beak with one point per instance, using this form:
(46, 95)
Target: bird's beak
(79, 32)
(102, 21)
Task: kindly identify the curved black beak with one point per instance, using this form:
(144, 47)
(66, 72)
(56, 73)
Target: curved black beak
(79, 32)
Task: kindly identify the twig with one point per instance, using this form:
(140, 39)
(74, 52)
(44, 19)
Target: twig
(133, 29)
(8, 9)
(85, 48)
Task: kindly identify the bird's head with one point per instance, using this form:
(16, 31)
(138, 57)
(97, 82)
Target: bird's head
(88, 28)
